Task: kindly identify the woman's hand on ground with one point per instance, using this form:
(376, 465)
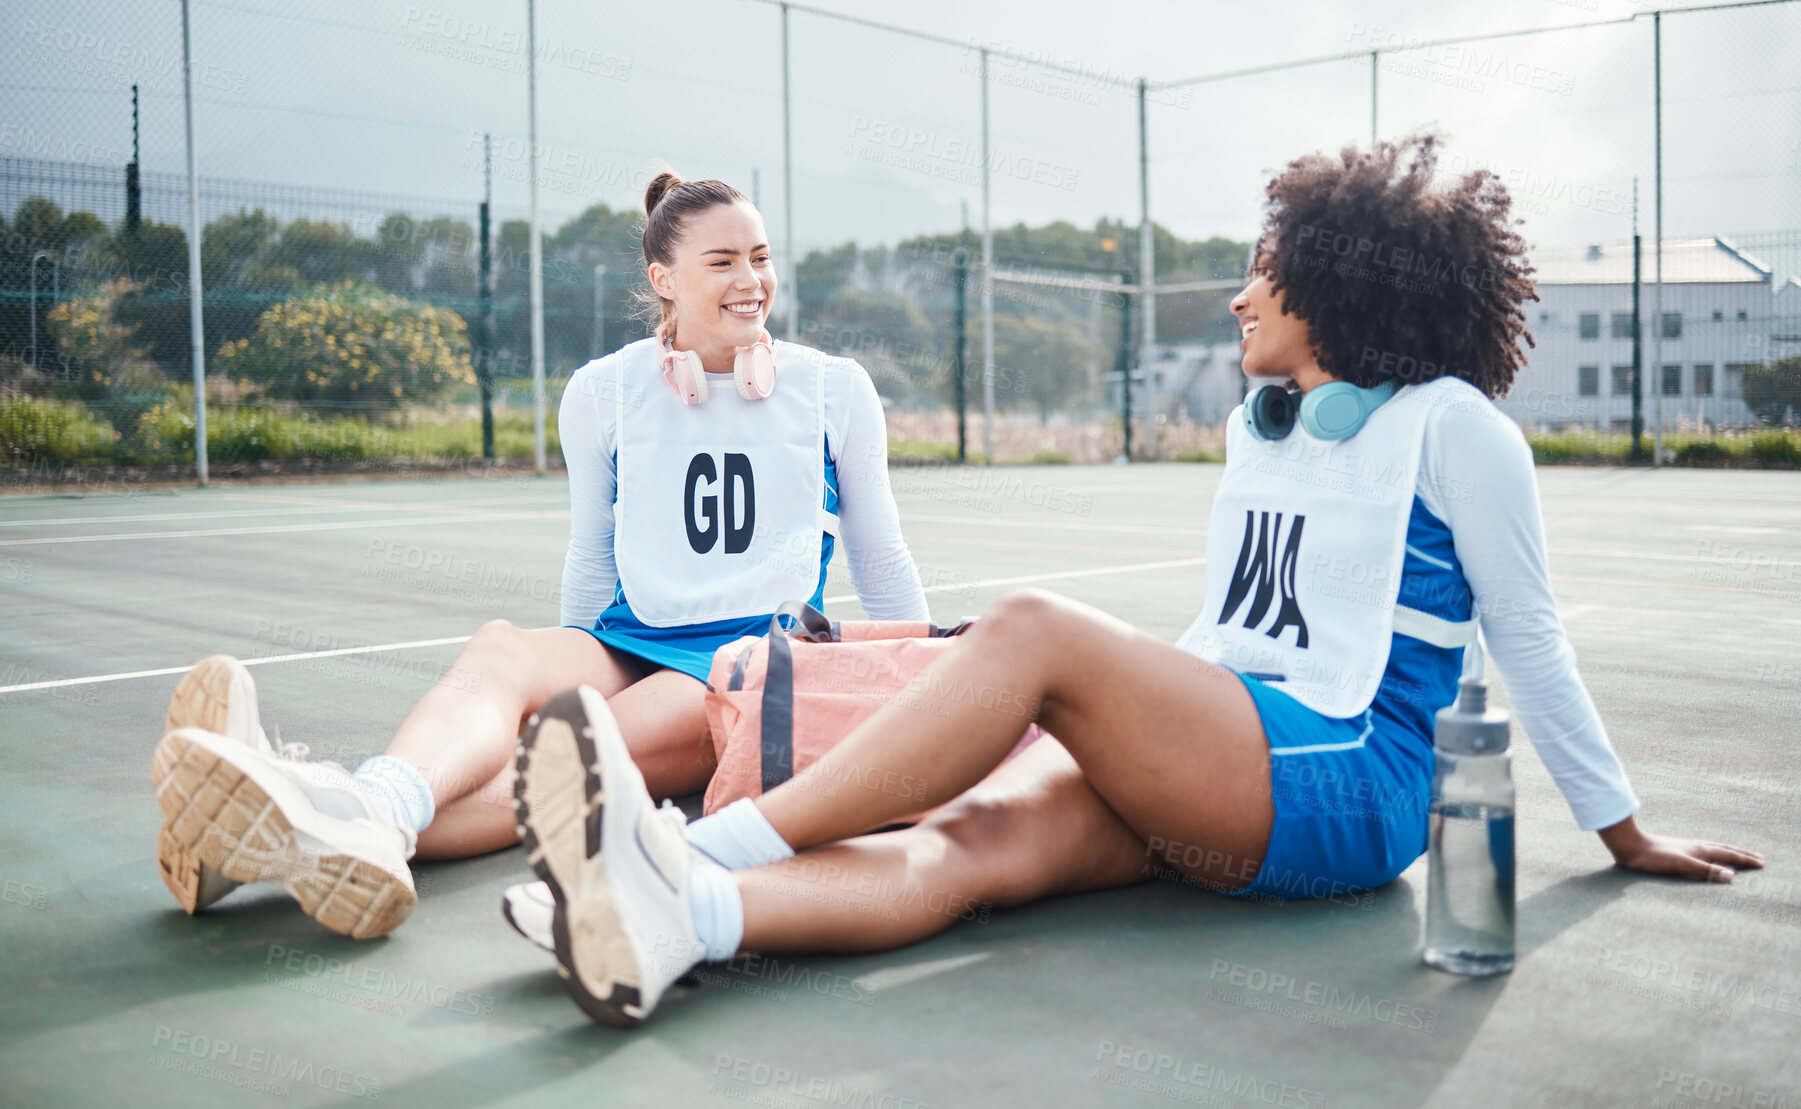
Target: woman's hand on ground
(1636, 849)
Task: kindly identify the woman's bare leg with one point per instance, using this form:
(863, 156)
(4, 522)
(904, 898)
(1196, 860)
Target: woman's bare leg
(1031, 829)
(1170, 743)
(461, 734)
(663, 720)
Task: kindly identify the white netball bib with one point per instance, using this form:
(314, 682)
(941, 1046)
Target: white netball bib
(1304, 551)
(719, 511)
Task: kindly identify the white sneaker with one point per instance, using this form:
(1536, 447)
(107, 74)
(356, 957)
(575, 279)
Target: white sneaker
(256, 817)
(216, 695)
(529, 908)
(621, 924)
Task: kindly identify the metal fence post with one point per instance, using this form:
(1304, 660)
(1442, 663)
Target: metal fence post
(537, 251)
(788, 191)
(987, 283)
(196, 317)
(1147, 281)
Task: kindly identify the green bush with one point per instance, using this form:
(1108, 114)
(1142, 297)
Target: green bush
(354, 345)
(1579, 446)
(34, 429)
(95, 346)
(1044, 456)
(1773, 445)
(1701, 452)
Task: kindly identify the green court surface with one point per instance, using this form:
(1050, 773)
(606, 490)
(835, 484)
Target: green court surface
(1680, 590)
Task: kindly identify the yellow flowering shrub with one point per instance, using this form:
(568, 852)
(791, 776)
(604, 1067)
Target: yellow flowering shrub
(96, 349)
(355, 347)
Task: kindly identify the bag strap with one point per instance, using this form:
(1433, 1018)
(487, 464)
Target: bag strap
(778, 686)
(818, 629)
(778, 682)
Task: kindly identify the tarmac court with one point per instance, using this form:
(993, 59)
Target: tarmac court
(1681, 591)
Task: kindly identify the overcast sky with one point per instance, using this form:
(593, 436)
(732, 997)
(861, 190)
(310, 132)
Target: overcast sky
(392, 98)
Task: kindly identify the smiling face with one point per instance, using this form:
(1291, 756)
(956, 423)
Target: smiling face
(722, 280)
(1274, 343)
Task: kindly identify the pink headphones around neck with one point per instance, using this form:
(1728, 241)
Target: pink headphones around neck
(753, 370)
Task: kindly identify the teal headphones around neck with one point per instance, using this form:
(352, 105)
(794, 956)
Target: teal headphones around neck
(1333, 411)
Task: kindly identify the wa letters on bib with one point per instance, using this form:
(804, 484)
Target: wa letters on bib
(1305, 546)
(719, 512)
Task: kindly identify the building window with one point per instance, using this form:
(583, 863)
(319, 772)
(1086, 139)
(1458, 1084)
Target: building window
(1734, 385)
(1588, 381)
(1672, 325)
(1741, 314)
(1589, 325)
(1672, 381)
(1622, 325)
(1718, 315)
(1703, 379)
(1622, 381)
(1544, 317)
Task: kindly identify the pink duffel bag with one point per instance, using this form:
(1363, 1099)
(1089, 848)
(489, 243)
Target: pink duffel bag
(776, 703)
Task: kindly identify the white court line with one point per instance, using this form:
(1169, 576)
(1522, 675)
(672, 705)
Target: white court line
(60, 682)
(1589, 552)
(378, 647)
(1074, 525)
(309, 510)
(276, 529)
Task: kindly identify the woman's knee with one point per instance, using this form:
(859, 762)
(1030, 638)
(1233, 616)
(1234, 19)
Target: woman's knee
(1036, 616)
(989, 847)
(501, 638)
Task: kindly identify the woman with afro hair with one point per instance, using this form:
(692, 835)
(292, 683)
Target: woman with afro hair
(1375, 511)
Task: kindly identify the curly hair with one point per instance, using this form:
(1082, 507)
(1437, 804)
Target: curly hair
(1396, 277)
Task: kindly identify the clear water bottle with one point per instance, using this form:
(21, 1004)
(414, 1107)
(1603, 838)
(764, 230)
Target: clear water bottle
(1469, 902)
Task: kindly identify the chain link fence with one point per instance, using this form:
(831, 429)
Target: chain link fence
(352, 315)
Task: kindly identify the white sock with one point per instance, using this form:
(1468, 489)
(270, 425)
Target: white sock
(396, 789)
(738, 836)
(717, 908)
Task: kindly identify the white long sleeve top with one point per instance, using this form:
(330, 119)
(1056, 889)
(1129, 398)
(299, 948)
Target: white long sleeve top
(1476, 474)
(881, 567)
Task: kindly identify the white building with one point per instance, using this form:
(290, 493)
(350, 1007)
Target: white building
(1722, 312)
(1201, 382)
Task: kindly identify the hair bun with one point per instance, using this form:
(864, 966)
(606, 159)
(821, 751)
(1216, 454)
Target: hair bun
(659, 187)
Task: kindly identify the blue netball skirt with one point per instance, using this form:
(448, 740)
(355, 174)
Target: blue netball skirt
(1351, 798)
(688, 648)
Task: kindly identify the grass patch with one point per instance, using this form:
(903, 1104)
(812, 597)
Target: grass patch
(1199, 454)
(37, 429)
(921, 450)
(1769, 447)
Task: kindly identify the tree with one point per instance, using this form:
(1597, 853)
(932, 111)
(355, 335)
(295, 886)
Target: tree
(231, 244)
(1773, 390)
(885, 332)
(1040, 363)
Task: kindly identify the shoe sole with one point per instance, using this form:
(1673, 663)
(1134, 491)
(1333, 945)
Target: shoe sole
(506, 910)
(201, 700)
(560, 801)
(217, 811)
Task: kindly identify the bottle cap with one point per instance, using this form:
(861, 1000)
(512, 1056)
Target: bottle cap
(1471, 726)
